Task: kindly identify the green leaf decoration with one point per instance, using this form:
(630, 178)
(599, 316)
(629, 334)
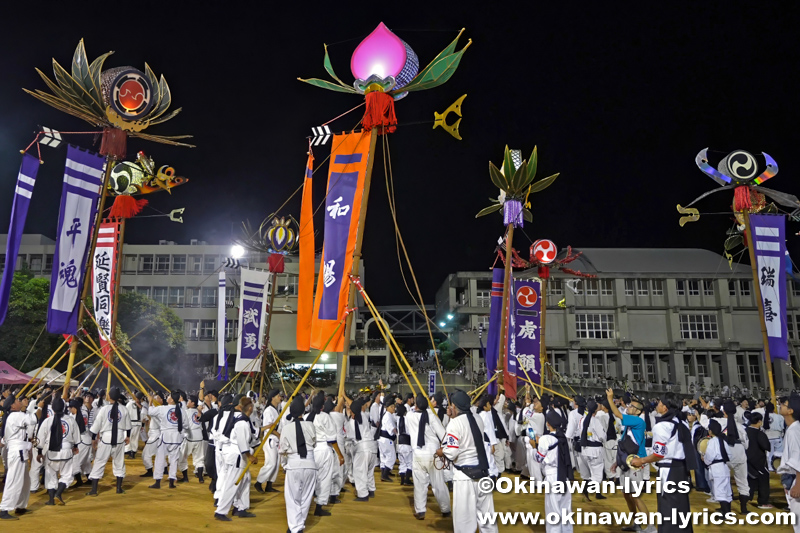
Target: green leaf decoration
(508, 166)
(542, 184)
(65, 107)
(329, 68)
(532, 163)
(733, 241)
(517, 182)
(74, 89)
(60, 94)
(497, 177)
(527, 215)
(316, 82)
(166, 117)
(153, 79)
(489, 210)
(94, 71)
(444, 53)
(164, 101)
(438, 73)
(82, 75)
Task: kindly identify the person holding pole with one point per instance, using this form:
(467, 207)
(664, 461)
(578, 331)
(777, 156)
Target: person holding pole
(297, 444)
(112, 426)
(269, 472)
(427, 433)
(17, 430)
(237, 456)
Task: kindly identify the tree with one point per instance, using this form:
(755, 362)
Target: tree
(25, 323)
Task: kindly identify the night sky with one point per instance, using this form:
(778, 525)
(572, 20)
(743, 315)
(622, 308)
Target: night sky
(618, 97)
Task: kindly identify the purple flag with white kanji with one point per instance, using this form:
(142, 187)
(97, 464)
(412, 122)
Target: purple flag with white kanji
(83, 179)
(769, 241)
(524, 332)
(19, 212)
(493, 335)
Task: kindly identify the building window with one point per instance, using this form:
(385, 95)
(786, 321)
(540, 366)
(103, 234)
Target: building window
(145, 264)
(129, 263)
(686, 371)
(708, 287)
(606, 287)
(208, 330)
(637, 371)
(160, 295)
(144, 291)
(195, 264)
(680, 287)
(699, 327)
(36, 263)
(483, 297)
(231, 327)
(287, 284)
(755, 372)
(694, 287)
(591, 287)
(48, 263)
(555, 287)
(744, 287)
(732, 288)
(178, 264)
(209, 263)
(594, 326)
(162, 264)
(630, 287)
(651, 372)
(641, 287)
(790, 325)
(483, 322)
(192, 296)
(191, 329)
(209, 296)
(795, 288)
(701, 370)
(742, 374)
(658, 287)
(231, 294)
(176, 296)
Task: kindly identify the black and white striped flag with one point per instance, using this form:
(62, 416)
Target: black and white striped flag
(321, 135)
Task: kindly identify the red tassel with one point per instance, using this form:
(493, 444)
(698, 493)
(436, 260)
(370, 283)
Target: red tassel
(741, 198)
(276, 263)
(126, 207)
(544, 272)
(380, 113)
(114, 143)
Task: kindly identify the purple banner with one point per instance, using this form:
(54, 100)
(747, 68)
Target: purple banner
(493, 336)
(768, 234)
(83, 178)
(525, 318)
(19, 212)
(252, 319)
(338, 212)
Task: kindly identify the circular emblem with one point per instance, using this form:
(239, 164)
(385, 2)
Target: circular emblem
(544, 250)
(172, 417)
(526, 296)
(119, 416)
(196, 418)
(64, 428)
(85, 420)
(131, 94)
(742, 165)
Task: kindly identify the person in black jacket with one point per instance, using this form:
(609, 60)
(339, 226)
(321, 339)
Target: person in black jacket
(757, 473)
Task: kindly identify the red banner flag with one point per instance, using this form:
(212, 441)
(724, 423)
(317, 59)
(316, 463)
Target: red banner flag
(347, 171)
(305, 289)
(103, 283)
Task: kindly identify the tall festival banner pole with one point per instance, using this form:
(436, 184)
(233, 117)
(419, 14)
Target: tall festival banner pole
(362, 218)
(515, 180)
(764, 235)
(386, 69)
(265, 349)
(124, 101)
(751, 248)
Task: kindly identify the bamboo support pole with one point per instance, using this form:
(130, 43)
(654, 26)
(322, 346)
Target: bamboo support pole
(30, 381)
(501, 357)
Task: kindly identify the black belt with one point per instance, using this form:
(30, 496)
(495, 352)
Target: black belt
(404, 439)
(716, 462)
(593, 444)
(385, 435)
(662, 464)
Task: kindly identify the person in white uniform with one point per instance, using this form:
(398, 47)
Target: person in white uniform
(405, 453)
(150, 449)
(484, 410)
(134, 407)
(716, 459)
(387, 437)
(112, 425)
(736, 437)
(193, 443)
(297, 444)
(534, 428)
(82, 461)
(17, 430)
(463, 447)
(427, 433)
(58, 438)
(553, 454)
(593, 437)
(789, 468)
(235, 445)
(502, 463)
(336, 413)
(326, 455)
(365, 447)
(269, 472)
(573, 434)
(774, 427)
(172, 419)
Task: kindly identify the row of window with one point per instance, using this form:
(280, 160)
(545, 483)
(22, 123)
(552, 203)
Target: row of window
(601, 326)
(206, 296)
(206, 330)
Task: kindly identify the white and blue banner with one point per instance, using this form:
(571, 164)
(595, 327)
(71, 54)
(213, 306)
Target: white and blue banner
(252, 320)
(83, 179)
(19, 212)
(221, 306)
(769, 240)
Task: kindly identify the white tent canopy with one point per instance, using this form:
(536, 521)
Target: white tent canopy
(47, 374)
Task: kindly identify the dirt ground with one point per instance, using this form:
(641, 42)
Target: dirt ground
(190, 508)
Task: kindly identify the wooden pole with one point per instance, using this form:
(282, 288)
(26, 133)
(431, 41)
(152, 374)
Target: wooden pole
(362, 217)
(504, 314)
(266, 333)
(542, 343)
(754, 267)
(88, 279)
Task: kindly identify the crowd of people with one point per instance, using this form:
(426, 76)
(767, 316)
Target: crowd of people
(444, 444)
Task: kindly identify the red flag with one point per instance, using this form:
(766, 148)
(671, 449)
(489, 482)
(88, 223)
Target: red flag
(305, 290)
